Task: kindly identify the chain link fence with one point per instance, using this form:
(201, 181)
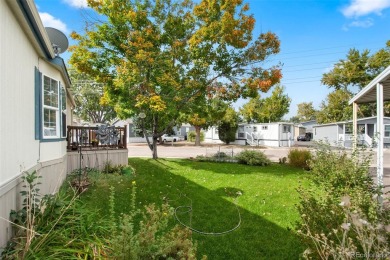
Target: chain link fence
(222, 154)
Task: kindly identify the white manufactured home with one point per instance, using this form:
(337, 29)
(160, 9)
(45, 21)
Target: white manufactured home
(35, 105)
(341, 133)
(134, 134)
(265, 134)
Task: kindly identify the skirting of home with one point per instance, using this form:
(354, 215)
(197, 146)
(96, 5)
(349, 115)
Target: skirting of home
(53, 174)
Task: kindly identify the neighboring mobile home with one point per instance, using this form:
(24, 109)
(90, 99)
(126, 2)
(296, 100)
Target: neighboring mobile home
(279, 134)
(340, 133)
(135, 136)
(35, 107)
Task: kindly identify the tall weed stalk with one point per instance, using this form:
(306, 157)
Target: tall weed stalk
(151, 237)
(340, 214)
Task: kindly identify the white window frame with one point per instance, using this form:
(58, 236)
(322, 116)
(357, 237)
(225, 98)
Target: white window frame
(55, 109)
(286, 128)
(264, 127)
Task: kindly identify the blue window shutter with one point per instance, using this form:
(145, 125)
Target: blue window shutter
(38, 104)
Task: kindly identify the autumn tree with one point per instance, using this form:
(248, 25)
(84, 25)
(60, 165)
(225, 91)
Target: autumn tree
(335, 108)
(228, 126)
(87, 95)
(205, 115)
(162, 57)
(306, 111)
(270, 109)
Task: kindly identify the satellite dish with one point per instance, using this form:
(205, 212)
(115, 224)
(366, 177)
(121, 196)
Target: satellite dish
(58, 40)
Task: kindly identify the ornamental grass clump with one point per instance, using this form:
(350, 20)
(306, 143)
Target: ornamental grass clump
(299, 158)
(58, 227)
(251, 157)
(341, 217)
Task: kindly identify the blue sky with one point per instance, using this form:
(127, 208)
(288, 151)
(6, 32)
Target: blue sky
(314, 35)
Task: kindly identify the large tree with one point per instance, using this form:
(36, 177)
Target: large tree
(270, 109)
(306, 111)
(249, 111)
(356, 71)
(335, 108)
(162, 57)
(87, 94)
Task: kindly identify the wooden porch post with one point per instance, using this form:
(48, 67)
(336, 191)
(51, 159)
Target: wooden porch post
(125, 138)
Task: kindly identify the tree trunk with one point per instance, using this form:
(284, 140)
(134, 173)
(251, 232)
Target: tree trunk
(155, 136)
(197, 136)
(154, 148)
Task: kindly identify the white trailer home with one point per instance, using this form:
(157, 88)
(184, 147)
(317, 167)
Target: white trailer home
(268, 134)
(341, 133)
(35, 105)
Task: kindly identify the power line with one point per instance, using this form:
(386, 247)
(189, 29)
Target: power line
(329, 48)
(302, 69)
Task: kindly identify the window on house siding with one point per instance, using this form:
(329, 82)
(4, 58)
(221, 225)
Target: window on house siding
(286, 128)
(255, 129)
(50, 107)
(387, 130)
(361, 129)
(53, 109)
(264, 127)
(348, 129)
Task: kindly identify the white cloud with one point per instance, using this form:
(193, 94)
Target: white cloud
(77, 3)
(359, 23)
(364, 7)
(364, 24)
(49, 21)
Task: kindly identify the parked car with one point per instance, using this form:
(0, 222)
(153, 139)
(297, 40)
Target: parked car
(169, 138)
(305, 137)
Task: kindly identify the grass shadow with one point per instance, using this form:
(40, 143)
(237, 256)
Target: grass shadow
(267, 214)
(214, 210)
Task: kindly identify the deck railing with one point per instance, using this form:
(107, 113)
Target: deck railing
(91, 139)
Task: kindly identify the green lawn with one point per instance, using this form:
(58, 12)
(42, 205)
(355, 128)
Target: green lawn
(266, 206)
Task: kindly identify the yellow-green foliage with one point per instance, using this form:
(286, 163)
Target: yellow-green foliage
(299, 158)
(191, 136)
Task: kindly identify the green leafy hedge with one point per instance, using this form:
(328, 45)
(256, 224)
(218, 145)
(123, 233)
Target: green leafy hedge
(252, 157)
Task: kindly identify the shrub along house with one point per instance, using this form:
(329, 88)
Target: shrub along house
(35, 107)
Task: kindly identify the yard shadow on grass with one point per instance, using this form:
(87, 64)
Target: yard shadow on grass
(214, 211)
